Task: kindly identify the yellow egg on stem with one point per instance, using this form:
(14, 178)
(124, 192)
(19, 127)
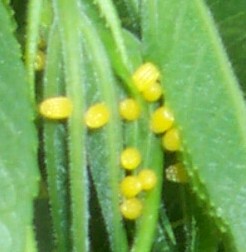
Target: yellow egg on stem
(171, 140)
(145, 76)
(131, 208)
(130, 186)
(129, 109)
(161, 120)
(97, 116)
(153, 92)
(56, 108)
(130, 158)
(148, 179)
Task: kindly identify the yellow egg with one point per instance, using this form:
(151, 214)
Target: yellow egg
(147, 178)
(131, 209)
(129, 109)
(177, 173)
(39, 61)
(130, 186)
(171, 140)
(56, 108)
(161, 120)
(145, 76)
(97, 116)
(130, 158)
(153, 92)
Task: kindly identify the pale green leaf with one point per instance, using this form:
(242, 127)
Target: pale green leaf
(208, 106)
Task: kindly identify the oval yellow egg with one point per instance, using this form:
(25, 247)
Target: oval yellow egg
(171, 140)
(130, 186)
(145, 76)
(131, 209)
(56, 108)
(130, 158)
(129, 109)
(97, 116)
(147, 178)
(161, 120)
(153, 92)
(177, 173)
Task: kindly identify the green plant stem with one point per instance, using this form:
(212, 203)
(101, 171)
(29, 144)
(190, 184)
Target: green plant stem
(147, 224)
(108, 10)
(68, 14)
(33, 23)
(107, 92)
(55, 147)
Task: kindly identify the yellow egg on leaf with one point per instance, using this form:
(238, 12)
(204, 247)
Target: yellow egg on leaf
(129, 109)
(56, 108)
(97, 115)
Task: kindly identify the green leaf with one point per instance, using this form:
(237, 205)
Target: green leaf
(208, 106)
(18, 148)
(230, 18)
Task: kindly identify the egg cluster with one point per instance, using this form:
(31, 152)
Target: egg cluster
(147, 81)
(162, 122)
(132, 185)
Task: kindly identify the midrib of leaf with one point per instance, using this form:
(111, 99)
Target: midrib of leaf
(68, 14)
(215, 144)
(18, 148)
(106, 90)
